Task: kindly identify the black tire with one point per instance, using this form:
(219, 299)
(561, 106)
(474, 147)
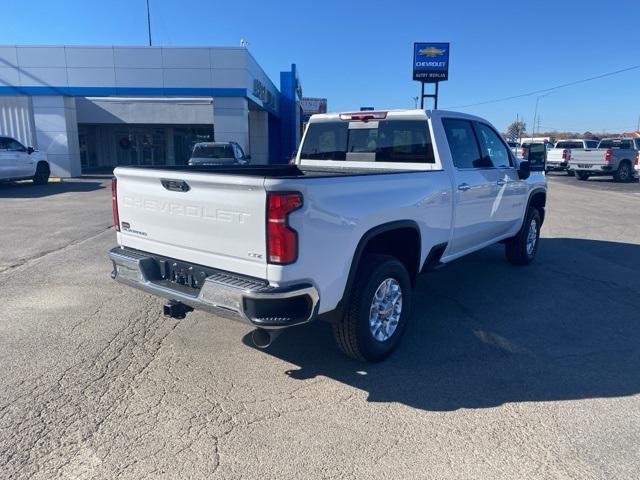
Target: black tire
(353, 332)
(623, 174)
(516, 248)
(571, 173)
(582, 175)
(41, 176)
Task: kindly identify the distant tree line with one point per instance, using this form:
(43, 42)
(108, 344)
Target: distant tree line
(518, 130)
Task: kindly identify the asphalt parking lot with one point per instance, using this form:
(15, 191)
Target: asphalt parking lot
(505, 372)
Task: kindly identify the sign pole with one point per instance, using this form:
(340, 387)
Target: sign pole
(428, 95)
(435, 99)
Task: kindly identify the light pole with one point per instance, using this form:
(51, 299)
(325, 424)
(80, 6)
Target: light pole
(535, 114)
(415, 102)
(149, 22)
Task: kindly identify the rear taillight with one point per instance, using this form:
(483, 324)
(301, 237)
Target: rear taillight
(607, 155)
(566, 154)
(282, 240)
(637, 162)
(114, 203)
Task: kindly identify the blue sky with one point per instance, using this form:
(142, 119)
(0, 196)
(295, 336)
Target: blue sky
(359, 53)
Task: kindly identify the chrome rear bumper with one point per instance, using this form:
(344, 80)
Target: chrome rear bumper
(225, 294)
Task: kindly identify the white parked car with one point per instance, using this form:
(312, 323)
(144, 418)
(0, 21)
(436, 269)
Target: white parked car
(18, 162)
(373, 200)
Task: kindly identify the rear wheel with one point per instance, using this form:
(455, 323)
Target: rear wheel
(522, 249)
(582, 175)
(41, 176)
(623, 174)
(378, 310)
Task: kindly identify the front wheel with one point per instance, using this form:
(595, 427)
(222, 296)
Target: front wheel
(41, 176)
(582, 175)
(522, 249)
(378, 310)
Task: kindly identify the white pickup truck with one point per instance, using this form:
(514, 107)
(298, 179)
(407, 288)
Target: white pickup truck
(18, 162)
(559, 156)
(373, 200)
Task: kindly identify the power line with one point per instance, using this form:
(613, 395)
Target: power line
(544, 90)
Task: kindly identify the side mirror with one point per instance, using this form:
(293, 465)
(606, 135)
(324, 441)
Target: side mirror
(30, 150)
(524, 170)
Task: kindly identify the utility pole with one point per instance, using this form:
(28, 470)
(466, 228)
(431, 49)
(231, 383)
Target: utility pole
(149, 22)
(415, 102)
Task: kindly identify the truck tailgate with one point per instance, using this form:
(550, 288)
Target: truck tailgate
(588, 157)
(555, 155)
(211, 219)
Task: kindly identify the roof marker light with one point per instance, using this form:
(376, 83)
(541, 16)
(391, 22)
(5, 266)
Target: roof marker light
(363, 116)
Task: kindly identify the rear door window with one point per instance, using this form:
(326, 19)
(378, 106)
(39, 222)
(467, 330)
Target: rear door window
(462, 143)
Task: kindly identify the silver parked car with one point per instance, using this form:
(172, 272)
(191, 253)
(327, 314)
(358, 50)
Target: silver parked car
(218, 153)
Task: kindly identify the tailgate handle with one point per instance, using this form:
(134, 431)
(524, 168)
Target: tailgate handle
(175, 185)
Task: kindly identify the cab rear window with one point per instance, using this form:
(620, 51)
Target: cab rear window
(569, 145)
(400, 141)
(616, 143)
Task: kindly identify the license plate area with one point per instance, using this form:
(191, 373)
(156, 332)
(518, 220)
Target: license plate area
(585, 165)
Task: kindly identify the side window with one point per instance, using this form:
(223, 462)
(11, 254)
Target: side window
(592, 144)
(404, 141)
(462, 143)
(492, 146)
(4, 143)
(14, 145)
(240, 152)
(626, 144)
(637, 143)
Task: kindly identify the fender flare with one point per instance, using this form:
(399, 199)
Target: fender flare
(357, 257)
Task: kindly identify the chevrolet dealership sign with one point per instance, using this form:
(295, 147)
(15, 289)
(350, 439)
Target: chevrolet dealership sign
(430, 62)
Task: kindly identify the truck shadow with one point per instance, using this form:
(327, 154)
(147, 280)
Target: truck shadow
(29, 190)
(485, 333)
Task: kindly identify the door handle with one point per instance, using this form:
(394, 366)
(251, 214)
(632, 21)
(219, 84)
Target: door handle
(464, 187)
(501, 183)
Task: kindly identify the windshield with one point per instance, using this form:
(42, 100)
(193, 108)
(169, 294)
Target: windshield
(402, 141)
(216, 151)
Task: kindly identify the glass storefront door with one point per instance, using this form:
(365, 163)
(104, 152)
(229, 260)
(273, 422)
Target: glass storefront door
(107, 146)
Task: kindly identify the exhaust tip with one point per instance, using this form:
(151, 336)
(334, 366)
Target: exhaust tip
(262, 338)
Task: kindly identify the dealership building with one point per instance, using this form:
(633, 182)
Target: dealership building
(91, 108)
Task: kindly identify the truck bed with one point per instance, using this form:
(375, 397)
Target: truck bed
(273, 171)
